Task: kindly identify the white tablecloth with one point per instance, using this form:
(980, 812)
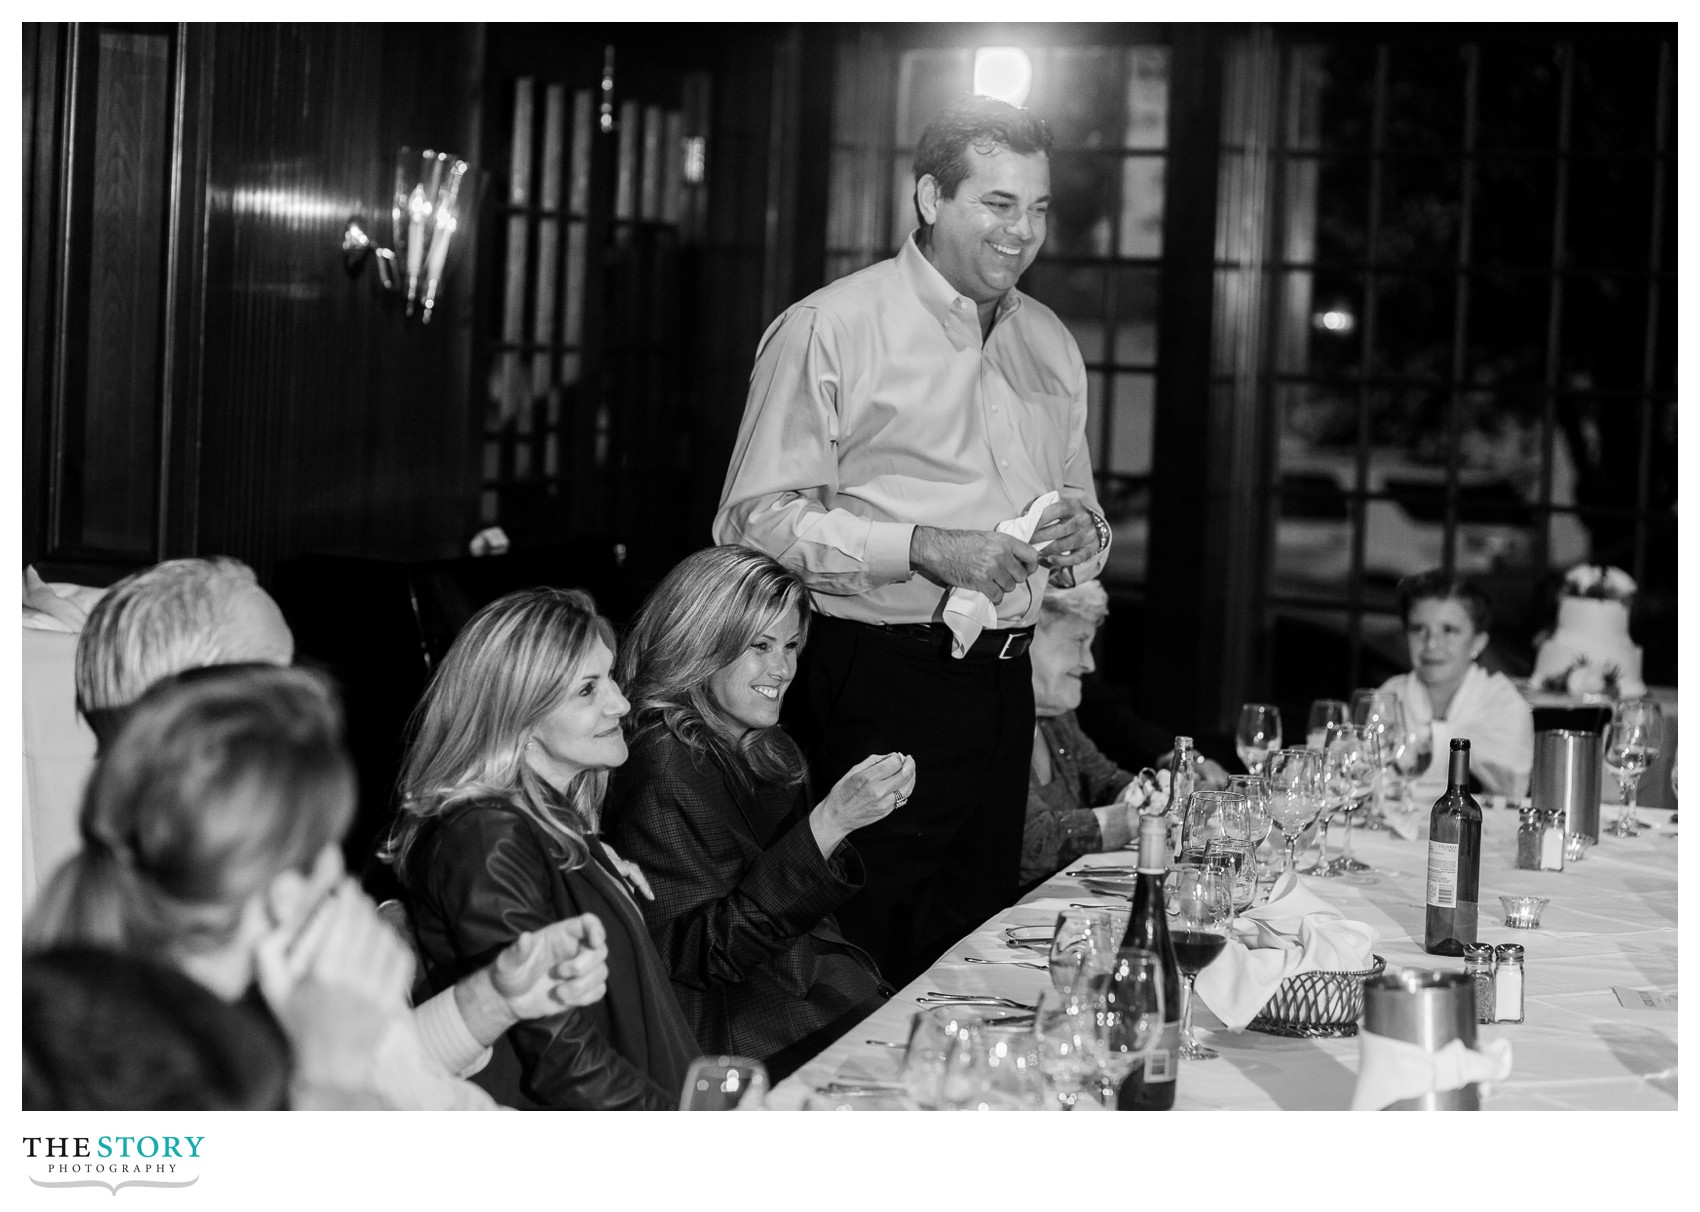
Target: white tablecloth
(1612, 922)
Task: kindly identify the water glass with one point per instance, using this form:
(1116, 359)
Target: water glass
(1082, 936)
(1350, 763)
(1064, 1034)
(932, 1034)
(1295, 794)
(1126, 1007)
(1632, 742)
(1255, 789)
(993, 1067)
(1324, 712)
(1257, 735)
(724, 1083)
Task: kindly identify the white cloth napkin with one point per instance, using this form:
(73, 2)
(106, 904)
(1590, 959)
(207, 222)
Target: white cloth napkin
(56, 605)
(968, 612)
(1295, 931)
(1392, 1069)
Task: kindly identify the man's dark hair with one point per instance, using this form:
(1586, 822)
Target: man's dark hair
(105, 1031)
(978, 122)
(1435, 585)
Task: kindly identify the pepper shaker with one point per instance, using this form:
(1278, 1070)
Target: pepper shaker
(1478, 966)
(1529, 840)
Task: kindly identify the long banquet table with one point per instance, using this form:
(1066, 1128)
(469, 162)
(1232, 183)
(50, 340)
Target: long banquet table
(1612, 923)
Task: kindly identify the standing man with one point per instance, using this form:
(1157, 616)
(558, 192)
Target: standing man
(895, 418)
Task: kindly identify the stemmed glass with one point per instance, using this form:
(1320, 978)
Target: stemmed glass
(992, 1067)
(1083, 936)
(724, 1083)
(1255, 789)
(932, 1035)
(1295, 794)
(1324, 712)
(1065, 1036)
(1126, 1007)
(1350, 762)
(1380, 714)
(1203, 908)
(1258, 735)
(1633, 741)
(1412, 759)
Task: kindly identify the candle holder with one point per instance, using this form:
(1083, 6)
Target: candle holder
(427, 208)
(1524, 912)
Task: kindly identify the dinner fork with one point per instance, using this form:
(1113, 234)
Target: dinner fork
(934, 997)
(1013, 963)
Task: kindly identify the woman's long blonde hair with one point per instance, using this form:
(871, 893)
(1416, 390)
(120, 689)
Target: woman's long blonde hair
(699, 619)
(510, 666)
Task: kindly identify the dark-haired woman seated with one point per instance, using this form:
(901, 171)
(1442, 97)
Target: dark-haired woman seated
(501, 790)
(715, 806)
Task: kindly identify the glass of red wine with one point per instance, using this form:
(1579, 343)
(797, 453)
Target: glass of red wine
(1204, 906)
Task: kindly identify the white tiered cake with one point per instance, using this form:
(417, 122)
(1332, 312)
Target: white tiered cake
(1592, 638)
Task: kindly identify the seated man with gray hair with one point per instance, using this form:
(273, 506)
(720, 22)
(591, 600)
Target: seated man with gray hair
(191, 613)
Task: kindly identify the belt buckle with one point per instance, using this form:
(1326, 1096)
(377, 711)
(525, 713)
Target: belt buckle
(1004, 653)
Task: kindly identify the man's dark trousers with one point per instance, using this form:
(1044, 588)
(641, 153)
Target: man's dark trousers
(949, 858)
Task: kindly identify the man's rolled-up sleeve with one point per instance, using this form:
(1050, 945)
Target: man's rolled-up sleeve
(1077, 469)
(783, 479)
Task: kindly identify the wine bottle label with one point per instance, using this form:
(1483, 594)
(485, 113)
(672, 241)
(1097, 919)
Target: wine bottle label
(1443, 874)
(1162, 1061)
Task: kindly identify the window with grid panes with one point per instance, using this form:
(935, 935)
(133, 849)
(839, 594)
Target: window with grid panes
(1472, 355)
(1107, 109)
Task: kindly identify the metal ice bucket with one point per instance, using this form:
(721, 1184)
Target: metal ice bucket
(1429, 1009)
(1566, 778)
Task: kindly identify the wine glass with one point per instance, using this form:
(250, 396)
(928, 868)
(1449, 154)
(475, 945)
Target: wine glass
(1082, 936)
(1255, 789)
(1064, 1035)
(1295, 794)
(1126, 1007)
(724, 1083)
(1324, 712)
(1380, 713)
(1232, 842)
(932, 1033)
(1204, 906)
(992, 1067)
(1633, 741)
(1258, 735)
(1350, 762)
(1412, 759)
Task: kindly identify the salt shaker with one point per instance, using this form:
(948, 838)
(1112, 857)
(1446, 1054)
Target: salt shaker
(1552, 840)
(1529, 840)
(1478, 966)
(1508, 983)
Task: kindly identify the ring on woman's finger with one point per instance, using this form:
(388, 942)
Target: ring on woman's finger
(900, 801)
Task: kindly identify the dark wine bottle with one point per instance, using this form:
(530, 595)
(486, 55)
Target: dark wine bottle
(1151, 1085)
(1454, 861)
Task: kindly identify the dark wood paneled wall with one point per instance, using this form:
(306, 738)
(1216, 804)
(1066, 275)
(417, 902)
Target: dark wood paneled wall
(297, 411)
(328, 422)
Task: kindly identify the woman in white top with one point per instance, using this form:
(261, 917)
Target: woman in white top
(1446, 626)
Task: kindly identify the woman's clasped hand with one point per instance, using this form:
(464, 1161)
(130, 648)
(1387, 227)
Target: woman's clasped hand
(869, 791)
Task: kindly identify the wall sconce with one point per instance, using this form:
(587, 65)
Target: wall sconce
(425, 211)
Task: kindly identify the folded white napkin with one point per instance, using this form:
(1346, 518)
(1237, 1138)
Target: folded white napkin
(968, 612)
(1392, 1069)
(56, 605)
(1295, 931)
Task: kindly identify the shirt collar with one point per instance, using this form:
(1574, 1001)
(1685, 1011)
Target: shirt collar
(937, 295)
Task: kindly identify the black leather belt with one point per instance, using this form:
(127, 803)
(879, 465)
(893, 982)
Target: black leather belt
(1000, 644)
